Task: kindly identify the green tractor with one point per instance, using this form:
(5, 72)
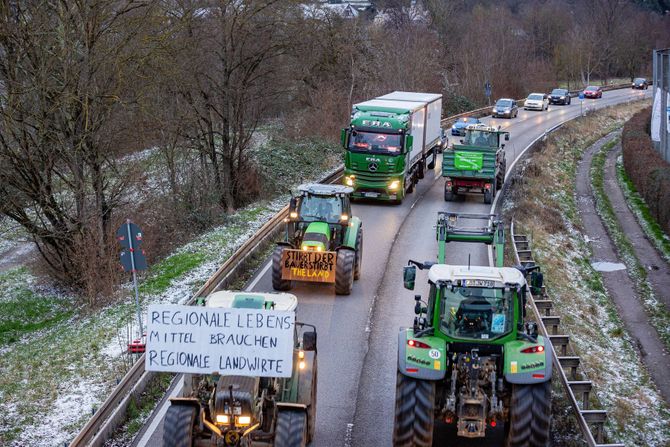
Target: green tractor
(232, 411)
(323, 242)
(470, 359)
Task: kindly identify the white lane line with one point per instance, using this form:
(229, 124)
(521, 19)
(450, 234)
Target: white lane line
(158, 418)
(251, 286)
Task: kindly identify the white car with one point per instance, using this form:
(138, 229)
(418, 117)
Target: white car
(536, 101)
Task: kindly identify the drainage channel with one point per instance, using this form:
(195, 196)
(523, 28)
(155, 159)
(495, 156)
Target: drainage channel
(573, 378)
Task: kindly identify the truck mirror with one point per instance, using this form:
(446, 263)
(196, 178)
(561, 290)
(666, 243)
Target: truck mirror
(506, 137)
(409, 141)
(292, 204)
(409, 276)
(344, 134)
(309, 341)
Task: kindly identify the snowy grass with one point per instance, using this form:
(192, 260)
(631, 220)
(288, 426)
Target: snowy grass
(58, 362)
(637, 205)
(543, 206)
(658, 314)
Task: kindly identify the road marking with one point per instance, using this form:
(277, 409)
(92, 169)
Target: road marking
(251, 286)
(158, 418)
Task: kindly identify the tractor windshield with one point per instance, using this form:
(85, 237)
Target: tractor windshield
(481, 138)
(378, 143)
(475, 312)
(315, 208)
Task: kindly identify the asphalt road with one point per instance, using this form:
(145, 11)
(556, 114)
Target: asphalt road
(358, 333)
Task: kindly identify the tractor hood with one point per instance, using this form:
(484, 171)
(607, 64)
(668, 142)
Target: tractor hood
(500, 276)
(317, 235)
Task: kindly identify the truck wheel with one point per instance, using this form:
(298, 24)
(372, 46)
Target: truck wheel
(344, 274)
(277, 282)
(488, 196)
(178, 427)
(291, 429)
(412, 181)
(359, 254)
(420, 173)
(431, 165)
(414, 412)
(541, 421)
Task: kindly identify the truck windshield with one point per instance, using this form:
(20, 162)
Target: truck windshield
(380, 143)
(320, 209)
(480, 138)
(476, 313)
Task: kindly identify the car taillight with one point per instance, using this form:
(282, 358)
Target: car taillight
(417, 344)
(533, 350)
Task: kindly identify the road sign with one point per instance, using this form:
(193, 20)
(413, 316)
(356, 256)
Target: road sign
(487, 89)
(581, 95)
(133, 258)
(129, 233)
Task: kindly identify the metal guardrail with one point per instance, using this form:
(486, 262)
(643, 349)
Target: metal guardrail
(576, 383)
(111, 412)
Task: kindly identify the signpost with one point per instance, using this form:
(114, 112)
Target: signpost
(581, 103)
(133, 258)
(487, 91)
(229, 341)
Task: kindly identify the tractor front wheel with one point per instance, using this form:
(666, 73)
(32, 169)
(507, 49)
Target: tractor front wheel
(291, 429)
(344, 272)
(530, 413)
(277, 282)
(414, 412)
(178, 431)
(359, 254)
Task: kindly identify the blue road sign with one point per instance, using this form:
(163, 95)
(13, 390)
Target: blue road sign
(581, 95)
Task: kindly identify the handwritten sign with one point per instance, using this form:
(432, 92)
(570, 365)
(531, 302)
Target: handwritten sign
(303, 265)
(201, 340)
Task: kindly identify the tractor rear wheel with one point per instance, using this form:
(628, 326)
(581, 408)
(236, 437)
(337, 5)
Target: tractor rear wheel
(291, 430)
(541, 422)
(359, 253)
(178, 430)
(414, 412)
(277, 282)
(344, 272)
(488, 196)
(530, 416)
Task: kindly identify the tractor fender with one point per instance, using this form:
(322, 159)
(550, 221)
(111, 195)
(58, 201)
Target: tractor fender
(352, 231)
(528, 368)
(421, 363)
(303, 379)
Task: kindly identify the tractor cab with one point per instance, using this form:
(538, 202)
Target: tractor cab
(481, 135)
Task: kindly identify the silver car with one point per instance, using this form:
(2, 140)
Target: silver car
(536, 101)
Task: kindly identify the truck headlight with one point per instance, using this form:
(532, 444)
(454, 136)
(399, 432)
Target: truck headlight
(222, 419)
(395, 184)
(349, 181)
(243, 420)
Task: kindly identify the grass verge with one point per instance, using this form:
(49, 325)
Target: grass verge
(637, 205)
(543, 205)
(657, 312)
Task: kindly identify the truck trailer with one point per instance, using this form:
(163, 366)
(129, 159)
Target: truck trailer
(390, 142)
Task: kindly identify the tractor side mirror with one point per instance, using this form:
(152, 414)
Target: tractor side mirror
(461, 140)
(409, 141)
(292, 204)
(344, 137)
(506, 137)
(409, 276)
(309, 341)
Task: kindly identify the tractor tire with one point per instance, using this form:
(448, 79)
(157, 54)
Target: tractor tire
(359, 254)
(520, 417)
(541, 422)
(291, 429)
(488, 197)
(414, 412)
(178, 427)
(311, 410)
(277, 282)
(344, 272)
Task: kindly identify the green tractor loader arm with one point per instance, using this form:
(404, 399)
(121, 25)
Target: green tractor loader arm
(449, 229)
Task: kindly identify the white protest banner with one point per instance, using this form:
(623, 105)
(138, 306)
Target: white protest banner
(203, 340)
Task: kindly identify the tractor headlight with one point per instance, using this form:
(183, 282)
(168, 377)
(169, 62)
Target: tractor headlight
(222, 419)
(293, 215)
(395, 184)
(318, 248)
(344, 217)
(304, 247)
(301, 364)
(243, 420)
(349, 181)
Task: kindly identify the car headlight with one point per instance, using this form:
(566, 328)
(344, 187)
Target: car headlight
(395, 184)
(453, 126)
(494, 110)
(562, 97)
(349, 181)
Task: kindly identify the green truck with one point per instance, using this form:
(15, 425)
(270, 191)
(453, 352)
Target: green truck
(390, 142)
(476, 164)
(471, 360)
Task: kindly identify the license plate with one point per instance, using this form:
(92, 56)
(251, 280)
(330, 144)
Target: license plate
(370, 194)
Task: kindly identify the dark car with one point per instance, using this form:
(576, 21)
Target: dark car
(559, 96)
(505, 108)
(593, 91)
(640, 83)
(459, 126)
